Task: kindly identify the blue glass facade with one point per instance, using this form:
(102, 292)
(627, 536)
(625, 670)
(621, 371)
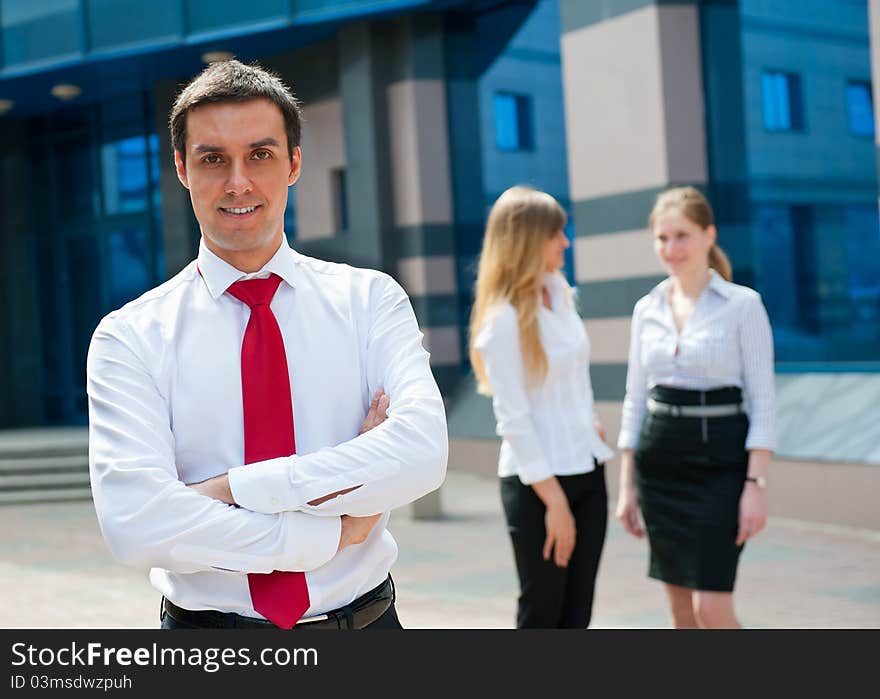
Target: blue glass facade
(813, 180)
(96, 221)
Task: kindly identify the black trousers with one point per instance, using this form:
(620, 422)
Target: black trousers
(553, 597)
(388, 620)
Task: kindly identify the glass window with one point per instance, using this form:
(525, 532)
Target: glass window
(128, 262)
(513, 121)
(111, 25)
(36, 31)
(340, 206)
(210, 15)
(820, 281)
(860, 108)
(863, 252)
(124, 171)
(782, 101)
(290, 215)
(72, 175)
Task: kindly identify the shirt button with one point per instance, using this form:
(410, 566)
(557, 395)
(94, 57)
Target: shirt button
(274, 501)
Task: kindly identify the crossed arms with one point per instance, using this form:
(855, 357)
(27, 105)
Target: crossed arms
(285, 521)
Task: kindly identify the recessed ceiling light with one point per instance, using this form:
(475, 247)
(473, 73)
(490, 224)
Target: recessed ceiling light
(66, 91)
(216, 56)
(5, 106)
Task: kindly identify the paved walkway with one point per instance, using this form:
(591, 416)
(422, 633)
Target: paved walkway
(456, 572)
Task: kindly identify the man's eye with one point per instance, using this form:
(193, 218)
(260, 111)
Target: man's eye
(212, 159)
(262, 155)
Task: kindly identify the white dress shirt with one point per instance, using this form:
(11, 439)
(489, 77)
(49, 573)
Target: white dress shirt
(726, 342)
(546, 429)
(165, 409)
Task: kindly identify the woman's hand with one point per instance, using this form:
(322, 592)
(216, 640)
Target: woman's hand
(752, 512)
(628, 512)
(600, 430)
(561, 532)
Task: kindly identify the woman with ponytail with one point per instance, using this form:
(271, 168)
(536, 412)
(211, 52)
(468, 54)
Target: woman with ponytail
(693, 460)
(529, 350)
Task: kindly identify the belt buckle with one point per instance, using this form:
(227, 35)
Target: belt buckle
(313, 620)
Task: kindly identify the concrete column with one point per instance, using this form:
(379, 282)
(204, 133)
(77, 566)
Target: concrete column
(423, 239)
(658, 114)
(180, 230)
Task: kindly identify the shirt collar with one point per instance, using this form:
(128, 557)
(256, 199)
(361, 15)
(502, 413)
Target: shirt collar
(716, 283)
(219, 275)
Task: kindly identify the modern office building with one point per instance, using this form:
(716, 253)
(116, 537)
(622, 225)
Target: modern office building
(418, 114)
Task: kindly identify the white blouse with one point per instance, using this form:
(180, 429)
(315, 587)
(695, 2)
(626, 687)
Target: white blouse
(546, 429)
(726, 342)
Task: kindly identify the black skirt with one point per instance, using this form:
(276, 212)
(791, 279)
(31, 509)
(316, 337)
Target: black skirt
(690, 474)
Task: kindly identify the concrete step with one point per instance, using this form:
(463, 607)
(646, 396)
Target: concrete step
(43, 442)
(20, 497)
(44, 465)
(31, 481)
(38, 463)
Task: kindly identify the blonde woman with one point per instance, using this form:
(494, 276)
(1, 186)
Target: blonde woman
(530, 352)
(691, 457)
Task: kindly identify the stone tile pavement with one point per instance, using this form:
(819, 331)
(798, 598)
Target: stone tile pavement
(455, 572)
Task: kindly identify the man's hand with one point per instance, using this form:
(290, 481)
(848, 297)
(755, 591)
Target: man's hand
(355, 530)
(216, 487)
(376, 415)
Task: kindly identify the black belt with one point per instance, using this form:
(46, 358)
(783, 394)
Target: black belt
(358, 614)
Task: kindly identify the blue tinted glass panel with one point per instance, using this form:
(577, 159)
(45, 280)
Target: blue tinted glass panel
(213, 15)
(524, 122)
(340, 200)
(74, 193)
(782, 101)
(128, 263)
(36, 31)
(795, 101)
(860, 108)
(112, 22)
(820, 281)
(84, 274)
(506, 127)
(124, 171)
(290, 215)
(513, 121)
(863, 252)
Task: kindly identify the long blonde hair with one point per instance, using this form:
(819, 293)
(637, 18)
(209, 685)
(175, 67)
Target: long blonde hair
(512, 267)
(695, 207)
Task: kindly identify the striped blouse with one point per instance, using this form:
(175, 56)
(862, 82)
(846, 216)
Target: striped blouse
(726, 342)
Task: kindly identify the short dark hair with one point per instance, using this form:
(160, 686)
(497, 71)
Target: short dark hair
(233, 81)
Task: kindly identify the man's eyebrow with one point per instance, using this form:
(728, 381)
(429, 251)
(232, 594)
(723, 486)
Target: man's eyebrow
(268, 141)
(207, 148)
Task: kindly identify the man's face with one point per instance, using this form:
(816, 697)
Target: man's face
(237, 172)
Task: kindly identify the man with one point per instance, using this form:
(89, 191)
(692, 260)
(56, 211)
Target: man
(225, 405)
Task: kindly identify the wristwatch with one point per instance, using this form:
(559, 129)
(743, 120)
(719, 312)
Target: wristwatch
(759, 481)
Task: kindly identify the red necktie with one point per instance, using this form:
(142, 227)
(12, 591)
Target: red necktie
(281, 596)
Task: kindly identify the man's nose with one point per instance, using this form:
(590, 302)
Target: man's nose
(238, 182)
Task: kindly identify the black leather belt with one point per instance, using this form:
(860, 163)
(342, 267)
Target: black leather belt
(357, 615)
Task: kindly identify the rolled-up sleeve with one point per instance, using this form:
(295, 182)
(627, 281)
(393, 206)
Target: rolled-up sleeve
(756, 350)
(391, 465)
(501, 351)
(147, 515)
(634, 403)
